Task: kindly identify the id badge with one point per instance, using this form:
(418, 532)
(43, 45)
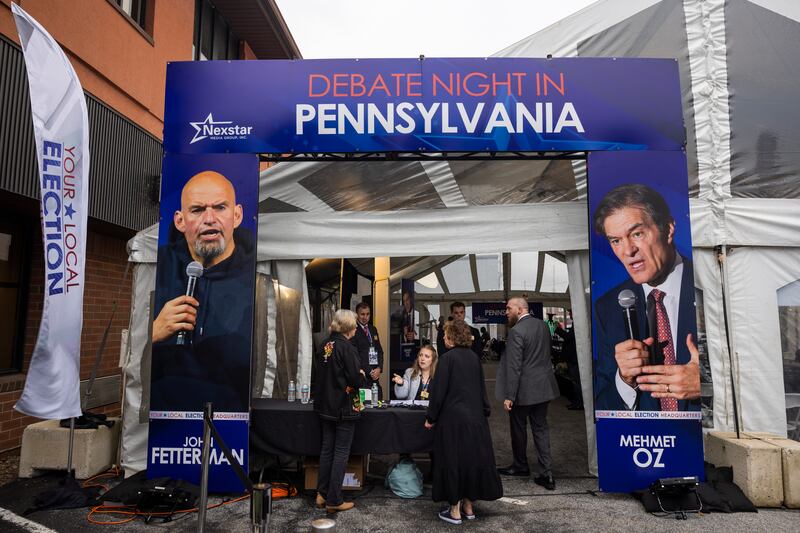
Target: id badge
(373, 356)
(423, 395)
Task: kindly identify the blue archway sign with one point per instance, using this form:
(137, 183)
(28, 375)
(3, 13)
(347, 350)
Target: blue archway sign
(431, 105)
(625, 113)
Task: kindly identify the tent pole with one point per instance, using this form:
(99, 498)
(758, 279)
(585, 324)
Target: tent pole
(341, 281)
(381, 297)
(506, 275)
(722, 256)
(205, 467)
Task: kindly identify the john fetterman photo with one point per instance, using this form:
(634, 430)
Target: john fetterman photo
(213, 364)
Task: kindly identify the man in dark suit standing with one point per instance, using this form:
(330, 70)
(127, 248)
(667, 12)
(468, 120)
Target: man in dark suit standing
(370, 353)
(525, 385)
(660, 372)
(458, 312)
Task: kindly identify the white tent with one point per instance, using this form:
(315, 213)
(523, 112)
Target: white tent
(740, 79)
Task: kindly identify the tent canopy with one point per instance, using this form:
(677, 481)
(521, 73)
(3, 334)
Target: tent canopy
(740, 82)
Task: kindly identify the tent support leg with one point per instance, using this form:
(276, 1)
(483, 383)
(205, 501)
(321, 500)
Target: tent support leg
(722, 256)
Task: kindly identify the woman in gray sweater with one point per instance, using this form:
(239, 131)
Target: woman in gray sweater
(415, 382)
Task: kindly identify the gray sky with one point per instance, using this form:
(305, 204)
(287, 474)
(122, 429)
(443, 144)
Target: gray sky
(408, 28)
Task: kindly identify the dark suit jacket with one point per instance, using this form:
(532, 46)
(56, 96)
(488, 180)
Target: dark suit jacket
(477, 344)
(526, 374)
(361, 342)
(610, 330)
(400, 319)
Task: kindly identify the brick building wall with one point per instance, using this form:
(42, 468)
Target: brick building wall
(124, 68)
(106, 258)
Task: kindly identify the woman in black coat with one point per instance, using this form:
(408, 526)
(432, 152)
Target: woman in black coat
(464, 470)
(336, 379)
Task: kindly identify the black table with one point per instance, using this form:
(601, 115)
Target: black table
(278, 427)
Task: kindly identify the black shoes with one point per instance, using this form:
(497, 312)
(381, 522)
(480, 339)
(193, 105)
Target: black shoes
(545, 481)
(512, 471)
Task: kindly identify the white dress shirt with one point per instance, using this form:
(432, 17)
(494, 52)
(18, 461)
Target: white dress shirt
(672, 297)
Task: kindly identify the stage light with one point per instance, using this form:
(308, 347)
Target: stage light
(677, 495)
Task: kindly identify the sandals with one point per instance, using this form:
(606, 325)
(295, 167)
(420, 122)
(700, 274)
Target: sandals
(445, 515)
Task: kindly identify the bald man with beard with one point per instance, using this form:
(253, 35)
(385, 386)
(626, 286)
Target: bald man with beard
(526, 384)
(214, 365)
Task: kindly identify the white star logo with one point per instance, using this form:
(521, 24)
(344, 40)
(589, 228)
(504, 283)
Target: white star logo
(199, 126)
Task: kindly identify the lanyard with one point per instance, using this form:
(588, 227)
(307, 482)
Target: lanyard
(425, 383)
(423, 393)
(367, 332)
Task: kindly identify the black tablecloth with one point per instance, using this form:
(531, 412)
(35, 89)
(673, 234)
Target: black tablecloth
(291, 428)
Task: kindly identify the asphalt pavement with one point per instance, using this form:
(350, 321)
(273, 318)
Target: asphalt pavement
(575, 505)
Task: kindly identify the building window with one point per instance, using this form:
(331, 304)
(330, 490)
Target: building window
(136, 10)
(213, 38)
(14, 255)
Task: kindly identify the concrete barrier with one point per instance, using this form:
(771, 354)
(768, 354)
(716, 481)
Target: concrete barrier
(714, 447)
(45, 445)
(790, 460)
(757, 465)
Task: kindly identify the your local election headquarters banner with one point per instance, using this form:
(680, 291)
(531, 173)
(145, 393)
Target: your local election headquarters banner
(644, 332)
(209, 207)
(433, 105)
(61, 131)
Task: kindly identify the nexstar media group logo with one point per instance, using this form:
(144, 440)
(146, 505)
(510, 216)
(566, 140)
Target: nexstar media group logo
(221, 130)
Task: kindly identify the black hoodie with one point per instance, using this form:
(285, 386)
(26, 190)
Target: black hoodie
(215, 365)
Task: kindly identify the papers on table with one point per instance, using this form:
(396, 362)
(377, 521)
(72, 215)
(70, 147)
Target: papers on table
(408, 403)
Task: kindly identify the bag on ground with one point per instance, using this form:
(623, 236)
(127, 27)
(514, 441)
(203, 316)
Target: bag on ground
(405, 479)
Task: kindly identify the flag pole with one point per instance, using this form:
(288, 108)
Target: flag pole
(69, 449)
(61, 132)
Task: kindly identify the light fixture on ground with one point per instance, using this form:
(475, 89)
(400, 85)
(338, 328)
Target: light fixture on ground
(677, 495)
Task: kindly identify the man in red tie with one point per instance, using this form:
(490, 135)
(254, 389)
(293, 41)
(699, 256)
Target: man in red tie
(660, 370)
(370, 352)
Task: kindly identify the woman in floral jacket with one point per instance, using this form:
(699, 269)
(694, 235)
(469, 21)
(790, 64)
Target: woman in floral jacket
(337, 375)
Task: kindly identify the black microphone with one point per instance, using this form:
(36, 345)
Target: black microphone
(627, 300)
(194, 270)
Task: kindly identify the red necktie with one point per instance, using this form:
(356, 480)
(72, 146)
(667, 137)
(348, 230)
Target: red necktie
(664, 339)
(367, 333)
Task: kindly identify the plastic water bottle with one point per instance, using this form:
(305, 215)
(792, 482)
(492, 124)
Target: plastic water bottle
(304, 394)
(292, 392)
(374, 395)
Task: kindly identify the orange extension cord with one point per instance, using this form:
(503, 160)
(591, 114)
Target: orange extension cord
(279, 490)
